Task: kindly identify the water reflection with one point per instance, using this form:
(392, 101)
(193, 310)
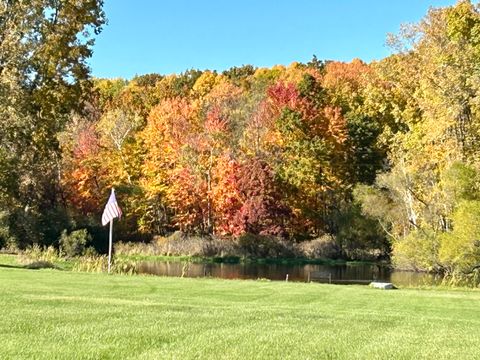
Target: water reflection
(339, 273)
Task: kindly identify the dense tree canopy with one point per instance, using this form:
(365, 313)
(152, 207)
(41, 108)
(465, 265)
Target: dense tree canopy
(260, 151)
(381, 155)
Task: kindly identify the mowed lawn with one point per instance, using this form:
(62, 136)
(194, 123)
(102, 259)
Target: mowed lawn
(52, 314)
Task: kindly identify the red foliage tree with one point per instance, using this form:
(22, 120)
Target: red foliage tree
(81, 178)
(262, 211)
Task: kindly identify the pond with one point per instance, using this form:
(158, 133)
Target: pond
(344, 274)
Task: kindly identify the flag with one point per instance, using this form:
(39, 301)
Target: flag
(112, 210)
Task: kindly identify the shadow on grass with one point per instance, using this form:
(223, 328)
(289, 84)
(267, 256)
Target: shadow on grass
(12, 266)
(37, 265)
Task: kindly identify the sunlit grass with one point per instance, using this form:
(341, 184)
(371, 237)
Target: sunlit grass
(50, 314)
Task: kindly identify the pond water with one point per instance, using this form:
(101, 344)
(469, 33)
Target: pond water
(340, 274)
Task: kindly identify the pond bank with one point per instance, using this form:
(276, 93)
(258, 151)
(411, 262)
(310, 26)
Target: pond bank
(298, 270)
(246, 260)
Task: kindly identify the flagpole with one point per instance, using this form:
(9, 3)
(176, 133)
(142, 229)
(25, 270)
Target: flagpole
(110, 246)
(111, 211)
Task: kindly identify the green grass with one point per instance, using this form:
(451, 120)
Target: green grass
(51, 314)
(8, 259)
(12, 260)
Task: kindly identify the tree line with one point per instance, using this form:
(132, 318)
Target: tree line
(382, 156)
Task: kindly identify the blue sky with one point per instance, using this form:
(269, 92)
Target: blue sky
(171, 36)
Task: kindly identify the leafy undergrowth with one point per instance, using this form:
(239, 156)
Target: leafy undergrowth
(59, 314)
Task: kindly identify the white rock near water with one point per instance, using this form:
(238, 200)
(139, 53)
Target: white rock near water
(382, 285)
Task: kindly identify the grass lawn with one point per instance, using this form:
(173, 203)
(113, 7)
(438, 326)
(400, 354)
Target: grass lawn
(53, 314)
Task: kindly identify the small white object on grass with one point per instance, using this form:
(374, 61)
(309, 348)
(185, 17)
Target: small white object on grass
(382, 285)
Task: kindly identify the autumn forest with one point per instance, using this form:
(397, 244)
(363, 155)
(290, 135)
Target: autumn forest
(380, 158)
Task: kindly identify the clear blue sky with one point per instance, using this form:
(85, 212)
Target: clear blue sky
(171, 36)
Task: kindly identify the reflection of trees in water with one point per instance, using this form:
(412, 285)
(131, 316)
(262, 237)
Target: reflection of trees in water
(279, 272)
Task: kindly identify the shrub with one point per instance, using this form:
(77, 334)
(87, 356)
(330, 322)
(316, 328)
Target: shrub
(38, 254)
(90, 251)
(122, 266)
(74, 244)
(179, 244)
(417, 251)
(214, 246)
(130, 248)
(322, 247)
(265, 246)
(460, 249)
(40, 265)
(91, 264)
(99, 264)
(460, 278)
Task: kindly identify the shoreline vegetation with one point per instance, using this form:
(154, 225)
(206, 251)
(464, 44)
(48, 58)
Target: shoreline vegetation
(125, 265)
(74, 254)
(52, 259)
(37, 259)
(74, 250)
(245, 249)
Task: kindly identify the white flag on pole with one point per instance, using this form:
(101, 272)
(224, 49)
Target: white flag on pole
(112, 210)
